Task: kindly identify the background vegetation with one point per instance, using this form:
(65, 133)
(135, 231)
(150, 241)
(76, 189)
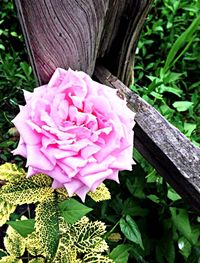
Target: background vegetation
(146, 219)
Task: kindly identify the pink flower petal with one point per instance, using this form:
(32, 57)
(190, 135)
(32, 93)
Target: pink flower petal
(28, 135)
(73, 186)
(82, 191)
(21, 149)
(89, 180)
(37, 159)
(57, 184)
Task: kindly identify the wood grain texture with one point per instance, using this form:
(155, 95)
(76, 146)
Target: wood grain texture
(163, 145)
(62, 33)
(74, 33)
(124, 21)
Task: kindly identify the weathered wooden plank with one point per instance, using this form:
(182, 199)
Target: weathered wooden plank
(69, 33)
(124, 21)
(62, 33)
(163, 145)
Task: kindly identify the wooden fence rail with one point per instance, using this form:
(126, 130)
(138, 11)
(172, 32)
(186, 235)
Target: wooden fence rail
(163, 145)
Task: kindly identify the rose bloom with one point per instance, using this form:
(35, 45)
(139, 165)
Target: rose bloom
(76, 131)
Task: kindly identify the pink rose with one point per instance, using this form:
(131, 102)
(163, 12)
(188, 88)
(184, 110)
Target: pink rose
(75, 130)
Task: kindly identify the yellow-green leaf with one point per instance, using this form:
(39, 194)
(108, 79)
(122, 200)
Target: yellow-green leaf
(5, 210)
(33, 245)
(47, 226)
(41, 179)
(25, 191)
(37, 260)
(10, 259)
(66, 251)
(102, 193)
(87, 236)
(14, 243)
(96, 258)
(11, 173)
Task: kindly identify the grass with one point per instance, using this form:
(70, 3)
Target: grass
(150, 220)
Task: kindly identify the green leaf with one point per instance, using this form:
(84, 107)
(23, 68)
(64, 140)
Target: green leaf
(14, 34)
(33, 245)
(72, 210)
(163, 88)
(131, 231)
(2, 253)
(2, 47)
(154, 198)
(169, 250)
(181, 41)
(23, 227)
(189, 128)
(47, 226)
(26, 68)
(171, 76)
(120, 253)
(181, 222)
(184, 246)
(6, 144)
(132, 208)
(172, 195)
(182, 105)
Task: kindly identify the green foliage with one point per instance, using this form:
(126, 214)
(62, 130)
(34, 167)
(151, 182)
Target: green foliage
(50, 236)
(10, 259)
(130, 229)
(96, 258)
(171, 81)
(23, 227)
(120, 253)
(185, 39)
(72, 210)
(167, 76)
(15, 75)
(79, 242)
(33, 245)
